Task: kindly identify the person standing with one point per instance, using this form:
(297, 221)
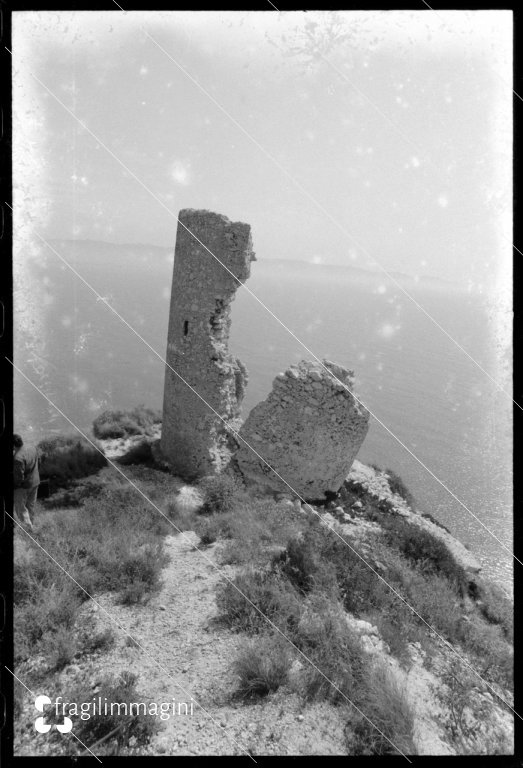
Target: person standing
(26, 480)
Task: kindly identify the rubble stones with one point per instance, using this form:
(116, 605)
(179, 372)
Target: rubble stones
(309, 430)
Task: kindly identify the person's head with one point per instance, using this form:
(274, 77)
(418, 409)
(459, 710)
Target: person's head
(17, 442)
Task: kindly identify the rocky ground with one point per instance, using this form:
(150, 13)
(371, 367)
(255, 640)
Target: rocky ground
(179, 651)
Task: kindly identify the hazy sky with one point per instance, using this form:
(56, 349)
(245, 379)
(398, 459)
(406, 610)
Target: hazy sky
(341, 137)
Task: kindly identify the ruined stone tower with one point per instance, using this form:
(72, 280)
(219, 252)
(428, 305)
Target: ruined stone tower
(194, 440)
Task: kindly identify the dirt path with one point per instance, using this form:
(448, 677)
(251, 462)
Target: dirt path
(176, 631)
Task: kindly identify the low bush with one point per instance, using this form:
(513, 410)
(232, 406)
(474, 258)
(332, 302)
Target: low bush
(63, 649)
(97, 642)
(304, 565)
(425, 550)
(208, 530)
(49, 611)
(496, 606)
(139, 453)
(75, 494)
(126, 722)
(220, 494)
(114, 424)
(321, 559)
(262, 665)
(67, 458)
(273, 596)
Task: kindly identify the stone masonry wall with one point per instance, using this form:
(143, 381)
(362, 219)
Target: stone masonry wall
(194, 440)
(309, 430)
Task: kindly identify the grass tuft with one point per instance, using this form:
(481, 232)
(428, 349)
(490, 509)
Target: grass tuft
(262, 666)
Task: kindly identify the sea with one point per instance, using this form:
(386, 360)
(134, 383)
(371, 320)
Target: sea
(431, 363)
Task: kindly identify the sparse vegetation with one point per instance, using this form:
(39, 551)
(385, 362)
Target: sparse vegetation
(424, 550)
(113, 543)
(466, 703)
(114, 424)
(108, 733)
(268, 595)
(291, 569)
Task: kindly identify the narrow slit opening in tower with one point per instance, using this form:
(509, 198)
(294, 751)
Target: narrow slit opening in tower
(185, 327)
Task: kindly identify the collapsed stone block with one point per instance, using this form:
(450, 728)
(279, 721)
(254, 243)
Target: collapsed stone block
(195, 441)
(309, 430)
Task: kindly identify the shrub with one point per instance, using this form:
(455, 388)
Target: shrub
(208, 530)
(494, 655)
(220, 494)
(423, 549)
(140, 573)
(305, 567)
(139, 453)
(321, 559)
(50, 609)
(134, 593)
(262, 665)
(75, 494)
(268, 591)
(99, 641)
(397, 486)
(114, 424)
(62, 648)
(66, 458)
(130, 724)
